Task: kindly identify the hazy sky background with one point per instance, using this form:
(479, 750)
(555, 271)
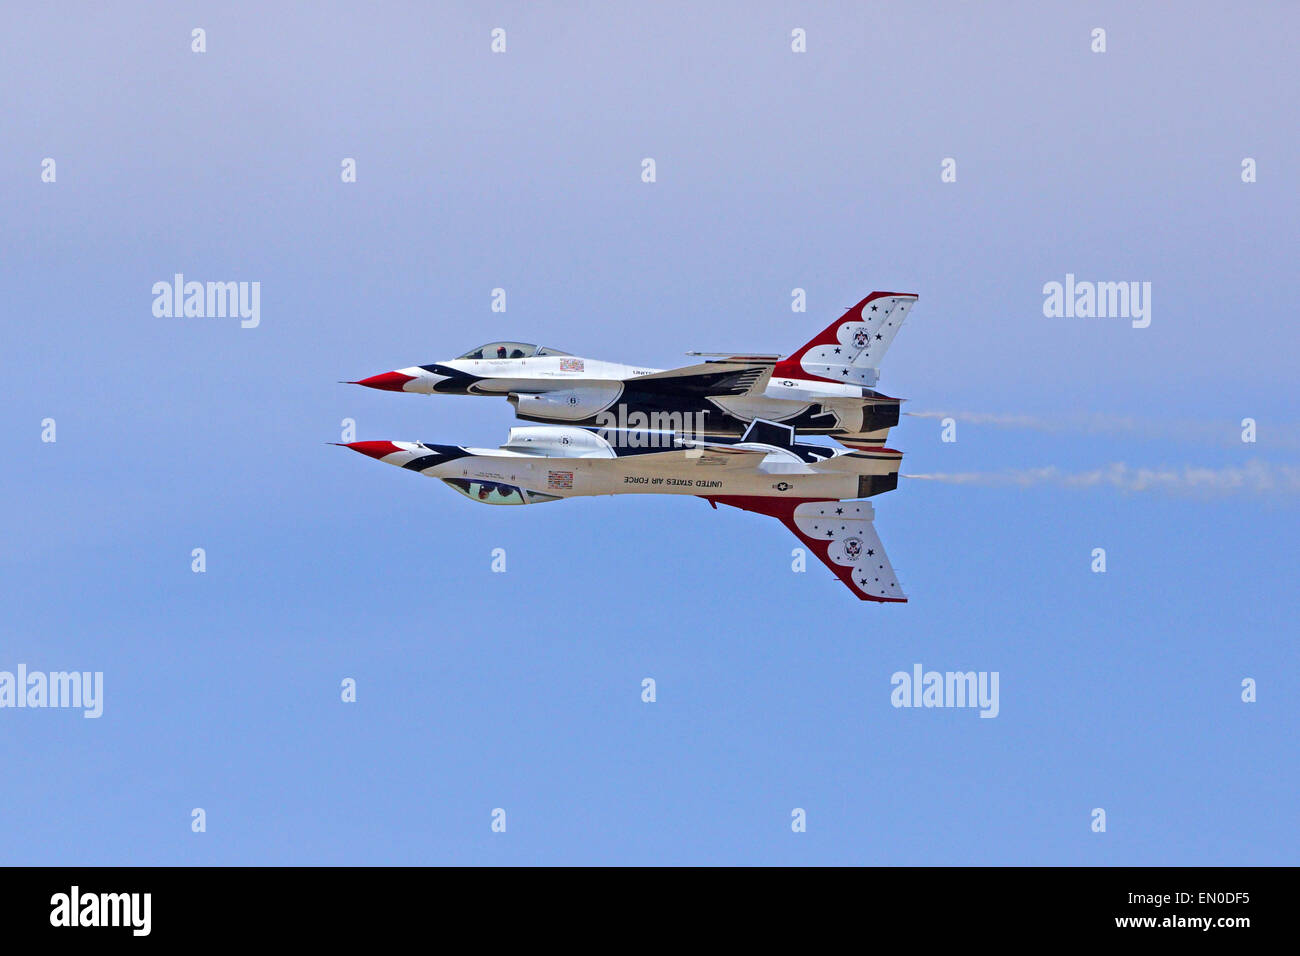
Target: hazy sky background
(522, 690)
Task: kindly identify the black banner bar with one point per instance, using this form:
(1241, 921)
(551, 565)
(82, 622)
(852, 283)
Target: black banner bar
(376, 904)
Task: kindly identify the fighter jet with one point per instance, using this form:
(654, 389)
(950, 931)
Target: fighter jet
(823, 388)
(808, 487)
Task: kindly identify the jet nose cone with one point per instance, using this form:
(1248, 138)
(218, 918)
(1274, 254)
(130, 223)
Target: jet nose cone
(388, 381)
(374, 449)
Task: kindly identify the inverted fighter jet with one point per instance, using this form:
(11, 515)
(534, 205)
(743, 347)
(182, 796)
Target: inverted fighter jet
(823, 388)
(808, 487)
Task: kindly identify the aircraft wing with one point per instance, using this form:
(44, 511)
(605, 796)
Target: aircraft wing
(708, 378)
(734, 357)
(842, 534)
(706, 456)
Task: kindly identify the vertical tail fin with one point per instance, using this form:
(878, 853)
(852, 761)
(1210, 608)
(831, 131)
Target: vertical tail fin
(842, 535)
(849, 350)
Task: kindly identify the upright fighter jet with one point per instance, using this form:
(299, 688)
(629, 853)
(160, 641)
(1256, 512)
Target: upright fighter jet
(767, 470)
(823, 388)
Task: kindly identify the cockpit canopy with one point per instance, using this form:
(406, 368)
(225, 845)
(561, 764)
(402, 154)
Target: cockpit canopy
(509, 350)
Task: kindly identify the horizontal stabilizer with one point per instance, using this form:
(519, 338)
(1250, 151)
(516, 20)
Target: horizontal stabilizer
(865, 461)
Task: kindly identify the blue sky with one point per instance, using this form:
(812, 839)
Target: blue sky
(522, 690)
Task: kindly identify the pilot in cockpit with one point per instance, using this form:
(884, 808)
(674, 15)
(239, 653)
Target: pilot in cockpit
(501, 351)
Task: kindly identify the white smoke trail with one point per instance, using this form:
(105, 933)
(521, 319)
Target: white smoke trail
(1223, 432)
(1253, 478)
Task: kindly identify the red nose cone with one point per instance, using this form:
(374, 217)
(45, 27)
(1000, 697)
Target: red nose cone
(388, 381)
(375, 449)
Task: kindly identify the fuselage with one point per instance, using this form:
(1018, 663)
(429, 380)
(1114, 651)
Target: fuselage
(549, 463)
(720, 401)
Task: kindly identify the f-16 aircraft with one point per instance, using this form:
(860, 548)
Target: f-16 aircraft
(806, 486)
(823, 388)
